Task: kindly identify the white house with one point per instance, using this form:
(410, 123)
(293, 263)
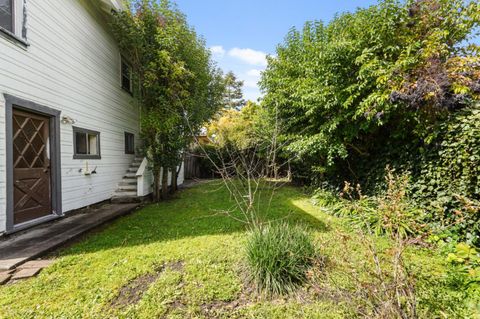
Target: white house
(69, 126)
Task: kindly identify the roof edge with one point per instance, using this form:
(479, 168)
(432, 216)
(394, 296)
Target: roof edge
(109, 5)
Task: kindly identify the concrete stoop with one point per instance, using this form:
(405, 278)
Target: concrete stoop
(126, 191)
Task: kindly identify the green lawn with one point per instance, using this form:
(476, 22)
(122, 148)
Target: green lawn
(185, 261)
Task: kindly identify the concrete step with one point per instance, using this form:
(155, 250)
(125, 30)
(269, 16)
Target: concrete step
(128, 187)
(126, 191)
(128, 182)
(119, 192)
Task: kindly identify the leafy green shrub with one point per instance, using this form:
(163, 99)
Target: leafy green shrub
(468, 260)
(444, 173)
(464, 273)
(324, 197)
(279, 257)
(388, 213)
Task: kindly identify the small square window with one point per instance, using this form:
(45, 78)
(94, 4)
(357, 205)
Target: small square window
(129, 143)
(6, 15)
(86, 144)
(126, 70)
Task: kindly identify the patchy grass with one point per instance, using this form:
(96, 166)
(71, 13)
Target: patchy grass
(183, 259)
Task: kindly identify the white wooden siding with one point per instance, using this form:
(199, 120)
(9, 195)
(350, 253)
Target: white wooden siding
(3, 199)
(71, 65)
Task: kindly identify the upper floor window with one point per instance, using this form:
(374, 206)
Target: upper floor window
(6, 15)
(126, 70)
(13, 20)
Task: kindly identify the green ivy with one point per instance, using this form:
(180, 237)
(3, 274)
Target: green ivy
(447, 179)
(444, 174)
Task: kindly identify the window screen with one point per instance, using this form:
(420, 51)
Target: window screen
(129, 143)
(6, 15)
(126, 76)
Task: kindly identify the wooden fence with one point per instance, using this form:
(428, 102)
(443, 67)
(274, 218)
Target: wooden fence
(192, 167)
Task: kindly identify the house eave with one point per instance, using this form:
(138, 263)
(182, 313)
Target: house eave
(109, 5)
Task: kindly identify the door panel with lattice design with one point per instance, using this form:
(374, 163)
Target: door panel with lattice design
(31, 166)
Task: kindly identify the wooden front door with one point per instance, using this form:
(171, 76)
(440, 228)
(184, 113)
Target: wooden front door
(32, 187)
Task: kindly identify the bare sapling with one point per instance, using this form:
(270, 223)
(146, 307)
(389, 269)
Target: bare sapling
(251, 175)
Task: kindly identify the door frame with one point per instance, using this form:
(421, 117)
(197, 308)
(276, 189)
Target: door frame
(12, 102)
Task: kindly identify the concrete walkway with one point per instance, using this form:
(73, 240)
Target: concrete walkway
(18, 249)
(190, 183)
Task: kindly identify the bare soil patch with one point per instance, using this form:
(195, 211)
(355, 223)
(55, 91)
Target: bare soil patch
(132, 292)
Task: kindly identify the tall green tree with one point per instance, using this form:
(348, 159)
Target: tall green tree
(391, 70)
(179, 86)
(236, 127)
(233, 97)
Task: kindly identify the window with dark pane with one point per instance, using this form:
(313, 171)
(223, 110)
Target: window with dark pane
(129, 143)
(126, 76)
(86, 144)
(81, 143)
(6, 15)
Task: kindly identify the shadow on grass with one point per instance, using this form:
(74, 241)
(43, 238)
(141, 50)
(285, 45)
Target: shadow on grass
(199, 211)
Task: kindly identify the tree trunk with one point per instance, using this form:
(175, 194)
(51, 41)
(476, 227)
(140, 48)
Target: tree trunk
(176, 172)
(164, 183)
(156, 185)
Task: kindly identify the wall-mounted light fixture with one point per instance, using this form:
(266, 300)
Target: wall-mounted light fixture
(67, 120)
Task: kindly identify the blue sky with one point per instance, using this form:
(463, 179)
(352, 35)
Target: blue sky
(242, 32)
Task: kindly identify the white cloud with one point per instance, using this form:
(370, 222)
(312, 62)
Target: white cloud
(247, 64)
(253, 84)
(218, 51)
(254, 72)
(249, 56)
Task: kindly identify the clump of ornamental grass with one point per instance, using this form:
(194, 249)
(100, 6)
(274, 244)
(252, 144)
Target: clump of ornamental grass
(279, 257)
